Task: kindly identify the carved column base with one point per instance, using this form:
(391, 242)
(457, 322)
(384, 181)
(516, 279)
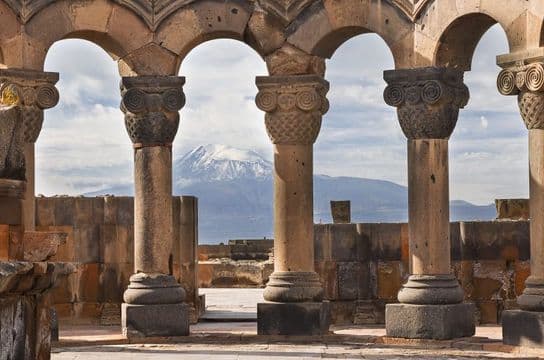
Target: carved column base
(431, 290)
(532, 298)
(154, 307)
(291, 286)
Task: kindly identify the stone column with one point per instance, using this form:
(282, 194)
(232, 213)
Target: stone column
(294, 106)
(154, 299)
(428, 102)
(38, 93)
(523, 76)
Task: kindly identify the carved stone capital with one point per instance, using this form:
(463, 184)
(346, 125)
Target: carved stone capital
(294, 106)
(525, 78)
(427, 100)
(36, 91)
(151, 105)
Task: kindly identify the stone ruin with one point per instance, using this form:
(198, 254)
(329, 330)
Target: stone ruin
(432, 43)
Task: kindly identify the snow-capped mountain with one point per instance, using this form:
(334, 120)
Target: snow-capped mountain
(214, 162)
(235, 191)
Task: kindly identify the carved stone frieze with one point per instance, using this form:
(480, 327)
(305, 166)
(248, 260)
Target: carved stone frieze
(37, 93)
(25, 9)
(151, 105)
(153, 12)
(427, 100)
(526, 80)
(411, 8)
(294, 106)
(285, 10)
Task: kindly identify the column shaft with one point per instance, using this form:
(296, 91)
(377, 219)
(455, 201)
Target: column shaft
(29, 202)
(536, 189)
(428, 199)
(153, 227)
(293, 210)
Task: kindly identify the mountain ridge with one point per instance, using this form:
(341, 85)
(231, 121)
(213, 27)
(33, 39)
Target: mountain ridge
(235, 191)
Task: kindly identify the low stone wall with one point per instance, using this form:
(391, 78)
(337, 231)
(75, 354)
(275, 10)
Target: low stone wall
(99, 242)
(364, 265)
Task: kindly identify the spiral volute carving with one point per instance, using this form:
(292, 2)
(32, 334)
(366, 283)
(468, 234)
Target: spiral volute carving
(527, 82)
(294, 106)
(427, 100)
(151, 105)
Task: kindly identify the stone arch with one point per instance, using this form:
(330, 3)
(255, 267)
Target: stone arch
(323, 27)
(458, 42)
(203, 21)
(114, 28)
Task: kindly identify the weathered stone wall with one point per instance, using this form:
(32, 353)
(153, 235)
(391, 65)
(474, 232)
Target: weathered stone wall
(99, 241)
(364, 265)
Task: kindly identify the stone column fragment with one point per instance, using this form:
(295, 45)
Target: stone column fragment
(38, 93)
(154, 299)
(428, 102)
(523, 76)
(294, 106)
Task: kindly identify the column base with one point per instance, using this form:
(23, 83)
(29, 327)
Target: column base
(431, 290)
(439, 322)
(293, 286)
(154, 320)
(305, 318)
(523, 328)
(532, 298)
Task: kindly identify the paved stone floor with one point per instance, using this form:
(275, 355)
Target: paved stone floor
(226, 340)
(239, 340)
(232, 304)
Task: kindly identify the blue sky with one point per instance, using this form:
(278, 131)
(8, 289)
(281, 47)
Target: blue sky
(84, 146)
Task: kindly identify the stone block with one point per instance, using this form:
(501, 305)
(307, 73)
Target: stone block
(311, 318)
(322, 242)
(113, 280)
(66, 250)
(11, 211)
(489, 311)
(83, 211)
(110, 210)
(341, 212)
(488, 280)
(208, 252)
(64, 210)
(327, 272)
(344, 242)
(385, 241)
(390, 278)
(405, 245)
(125, 211)
(342, 312)
(4, 242)
(523, 328)
(455, 241)
(45, 211)
(464, 272)
(88, 282)
(87, 243)
(491, 240)
(155, 320)
(354, 281)
(439, 322)
(512, 209)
